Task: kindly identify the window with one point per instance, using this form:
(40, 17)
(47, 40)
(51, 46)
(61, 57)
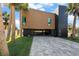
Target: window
(49, 21)
(23, 20)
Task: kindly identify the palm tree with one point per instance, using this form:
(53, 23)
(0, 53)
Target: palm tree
(21, 7)
(3, 44)
(9, 23)
(73, 8)
(16, 7)
(13, 21)
(6, 19)
(9, 27)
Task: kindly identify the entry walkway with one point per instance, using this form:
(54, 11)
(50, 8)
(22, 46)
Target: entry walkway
(52, 46)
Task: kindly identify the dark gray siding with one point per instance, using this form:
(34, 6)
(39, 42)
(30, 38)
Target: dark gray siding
(62, 21)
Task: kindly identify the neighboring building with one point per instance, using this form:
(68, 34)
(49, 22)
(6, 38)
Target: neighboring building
(39, 22)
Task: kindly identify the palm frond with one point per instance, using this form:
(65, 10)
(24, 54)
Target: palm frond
(73, 8)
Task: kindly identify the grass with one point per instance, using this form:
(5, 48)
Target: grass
(76, 39)
(21, 47)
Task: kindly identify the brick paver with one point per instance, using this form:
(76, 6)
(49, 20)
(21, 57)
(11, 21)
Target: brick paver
(53, 46)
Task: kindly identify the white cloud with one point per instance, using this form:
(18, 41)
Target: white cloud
(47, 4)
(56, 11)
(17, 23)
(42, 9)
(50, 4)
(70, 18)
(39, 6)
(31, 5)
(62, 3)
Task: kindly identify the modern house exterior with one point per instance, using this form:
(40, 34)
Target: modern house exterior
(38, 22)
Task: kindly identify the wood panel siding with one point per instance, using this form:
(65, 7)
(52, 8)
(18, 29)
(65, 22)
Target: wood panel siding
(38, 20)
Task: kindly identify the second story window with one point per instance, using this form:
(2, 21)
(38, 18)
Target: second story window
(49, 21)
(23, 20)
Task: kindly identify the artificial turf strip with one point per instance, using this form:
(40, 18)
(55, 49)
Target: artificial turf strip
(21, 47)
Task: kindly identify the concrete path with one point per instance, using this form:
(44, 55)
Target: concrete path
(52, 46)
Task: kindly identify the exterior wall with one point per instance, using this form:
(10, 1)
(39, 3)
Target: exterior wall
(38, 20)
(62, 21)
(56, 25)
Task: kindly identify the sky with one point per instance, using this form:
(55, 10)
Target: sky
(46, 7)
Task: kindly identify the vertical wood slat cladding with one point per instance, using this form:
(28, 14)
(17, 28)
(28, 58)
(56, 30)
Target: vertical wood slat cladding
(38, 20)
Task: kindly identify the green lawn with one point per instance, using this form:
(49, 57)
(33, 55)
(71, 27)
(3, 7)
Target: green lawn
(21, 47)
(76, 39)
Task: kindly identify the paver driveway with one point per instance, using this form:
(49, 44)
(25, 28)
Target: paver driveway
(52, 46)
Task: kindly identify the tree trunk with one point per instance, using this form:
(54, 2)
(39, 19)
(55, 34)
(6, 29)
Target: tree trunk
(5, 26)
(74, 26)
(21, 23)
(9, 27)
(13, 22)
(3, 44)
